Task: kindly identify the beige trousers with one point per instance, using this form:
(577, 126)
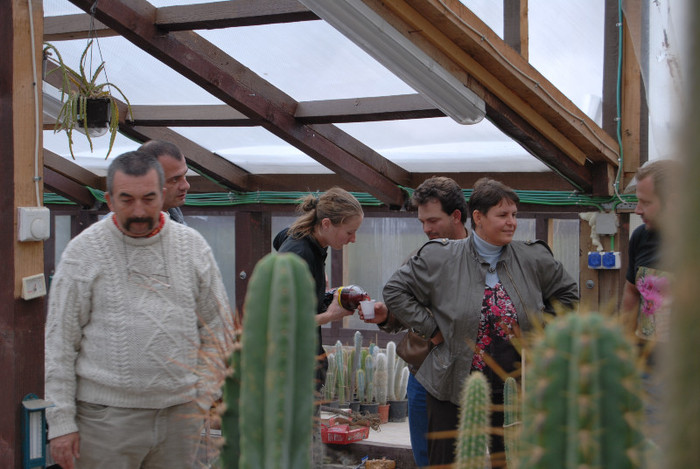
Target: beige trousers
(121, 438)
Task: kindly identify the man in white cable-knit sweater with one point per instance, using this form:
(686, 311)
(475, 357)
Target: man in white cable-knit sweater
(137, 308)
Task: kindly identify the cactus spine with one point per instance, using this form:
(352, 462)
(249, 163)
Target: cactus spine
(380, 379)
(474, 423)
(582, 406)
(391, 369)
(277, 365)
(511, 421)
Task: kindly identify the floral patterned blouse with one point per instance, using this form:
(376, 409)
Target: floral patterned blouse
(498, 325)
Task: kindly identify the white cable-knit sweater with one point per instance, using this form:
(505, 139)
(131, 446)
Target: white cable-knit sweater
(131, 321)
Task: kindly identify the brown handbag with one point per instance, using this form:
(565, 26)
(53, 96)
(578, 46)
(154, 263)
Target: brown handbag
(413, 349)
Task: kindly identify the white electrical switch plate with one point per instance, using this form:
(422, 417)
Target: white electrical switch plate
(606, 223)
(33, 286)
(33, 223)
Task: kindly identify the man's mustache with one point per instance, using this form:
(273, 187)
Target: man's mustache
(129, 221)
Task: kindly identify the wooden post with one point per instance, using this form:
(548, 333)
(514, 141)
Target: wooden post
(21, 322)
(515, 26)
(253, 238)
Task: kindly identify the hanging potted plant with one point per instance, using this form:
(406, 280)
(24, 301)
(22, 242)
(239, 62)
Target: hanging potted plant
(87, 105)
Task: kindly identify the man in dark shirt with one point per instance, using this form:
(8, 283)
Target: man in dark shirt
(645, 297)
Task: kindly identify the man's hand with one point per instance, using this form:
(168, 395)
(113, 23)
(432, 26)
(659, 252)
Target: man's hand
(380, 313)
(437, 338)
(64, 449)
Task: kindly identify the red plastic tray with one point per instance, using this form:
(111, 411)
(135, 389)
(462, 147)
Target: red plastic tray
(343, 434)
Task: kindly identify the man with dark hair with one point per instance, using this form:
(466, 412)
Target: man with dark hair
(175, 168)
(442, 210)
(135, 323)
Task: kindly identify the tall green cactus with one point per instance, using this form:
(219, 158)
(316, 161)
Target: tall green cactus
(356, 363)
(582, 405)
(360, 380)
(380, 379)
(391, 369)
(474, 423)
(329, 389)
(369, 376)
(230, 420)
(511, 422)
(277, 366)
(340, 365)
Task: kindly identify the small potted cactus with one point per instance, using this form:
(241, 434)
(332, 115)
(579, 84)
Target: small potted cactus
(380, 386)
(398, 410)
(368, 406)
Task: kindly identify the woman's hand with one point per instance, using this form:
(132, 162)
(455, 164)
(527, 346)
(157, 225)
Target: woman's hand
(334, 312)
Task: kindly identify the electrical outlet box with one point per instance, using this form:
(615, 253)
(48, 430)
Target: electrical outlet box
(606, 223)
(603, 260)
(33, 286)
(33, 223)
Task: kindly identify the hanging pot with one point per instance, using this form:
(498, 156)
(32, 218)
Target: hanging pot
(97, 112)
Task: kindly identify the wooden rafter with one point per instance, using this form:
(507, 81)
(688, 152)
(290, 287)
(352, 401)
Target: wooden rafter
(187, 17)
(72, 171)
(71, 190)
(413, 106)
(224, 77)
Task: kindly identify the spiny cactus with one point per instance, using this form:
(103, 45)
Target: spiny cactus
(369, 376)
(380, 379)
(356, 363)
(277, 366)
(582, 405)
(402, 384)
(474, 423)
(329, 386)
(391, 369)
(340, 366)
(511, 421)
(360, 379)
(230, 420)
(373, 349)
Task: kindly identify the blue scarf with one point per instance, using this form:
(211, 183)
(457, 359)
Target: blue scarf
(490, 253)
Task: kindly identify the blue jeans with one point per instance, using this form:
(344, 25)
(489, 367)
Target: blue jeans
(418, 421)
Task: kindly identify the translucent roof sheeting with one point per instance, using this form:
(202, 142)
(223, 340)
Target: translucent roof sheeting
(311, 61)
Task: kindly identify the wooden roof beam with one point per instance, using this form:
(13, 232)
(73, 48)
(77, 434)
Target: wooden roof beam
(68, 188)
(224, 77)
(212, 15)
(228, 14)
(72, 171)
(412, 106)
(516, 26)
(198, 158)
